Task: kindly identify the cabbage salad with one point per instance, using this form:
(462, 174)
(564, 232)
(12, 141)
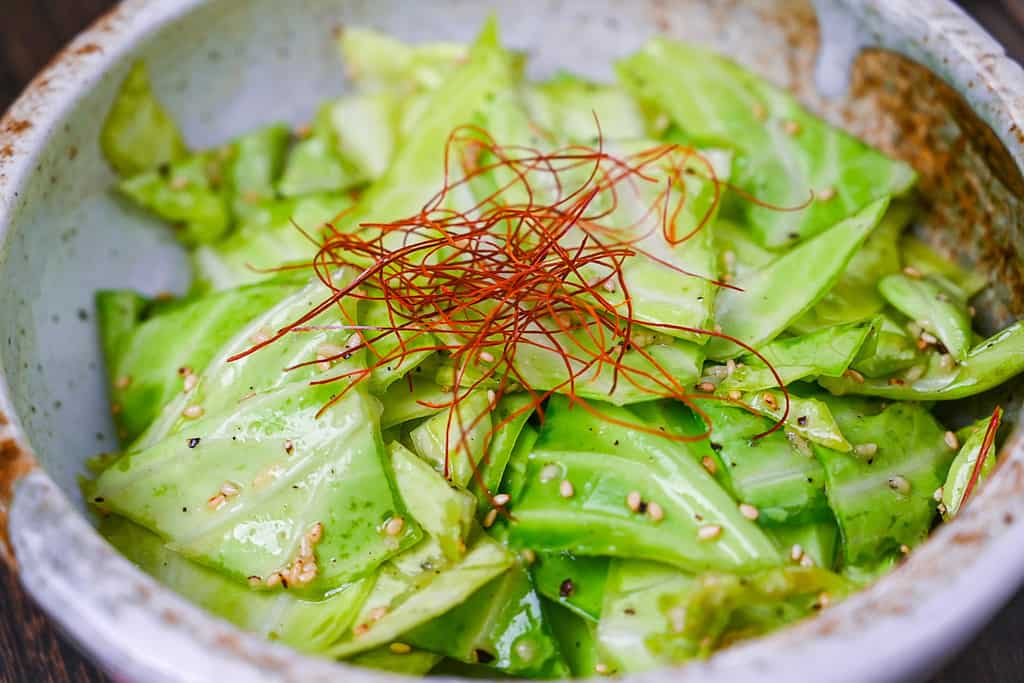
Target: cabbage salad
(485, 375)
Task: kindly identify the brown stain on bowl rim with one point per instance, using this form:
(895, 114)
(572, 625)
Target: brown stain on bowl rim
(15, 462)
(15, 459)
(66, 60)
(17, 126)
(967, 178)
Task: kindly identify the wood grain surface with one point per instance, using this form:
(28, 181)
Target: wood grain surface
(31, 650)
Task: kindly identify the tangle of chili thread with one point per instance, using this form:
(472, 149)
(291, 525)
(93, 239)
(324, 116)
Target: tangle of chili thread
(538, 272)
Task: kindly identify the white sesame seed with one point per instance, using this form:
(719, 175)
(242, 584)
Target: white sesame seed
(325, 351)
(266, 476)
(230, 488)
(308, 576)
(677, 618)
(565, 489)
(709, 532)
(190, 383)
(899, 484)
(490, 518)
(729, 257)
(749, 511)
(905, 549)
(316, 533)
(526, 650)
(865, 450)
(502, 499)
(491, 396)
(806, 561)
(378, 613)
(937, 495)
(485, 357)
(824, 600)
(123, 382)
(929, 338)
(274, 579)
(255, 581)
(634, 501)
(951, 440)
(400, 648)
(706, 387)
(601, 668)
(910, 271)
(715, 373)
(799, 443)
(854, 375)
(549, 473)
(394, 526)
(261, 335)
(655, 512)
(735, 395)
(827, 194)
(193, 412)
(796, 552)
(709, 464)
(216, 501)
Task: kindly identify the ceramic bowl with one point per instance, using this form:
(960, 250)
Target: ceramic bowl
(227, 66)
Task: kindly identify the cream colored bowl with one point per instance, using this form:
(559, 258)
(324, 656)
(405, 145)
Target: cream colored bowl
(227, 66)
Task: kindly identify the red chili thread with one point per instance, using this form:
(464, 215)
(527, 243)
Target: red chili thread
(986, 446)
(493, 278)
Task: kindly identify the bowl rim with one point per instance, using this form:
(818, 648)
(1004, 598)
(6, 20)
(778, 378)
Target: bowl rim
(899, 627)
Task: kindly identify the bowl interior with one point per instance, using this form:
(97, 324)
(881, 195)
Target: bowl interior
(225, 67)
(229, 66)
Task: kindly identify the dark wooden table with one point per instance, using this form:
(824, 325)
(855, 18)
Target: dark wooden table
(31, 31)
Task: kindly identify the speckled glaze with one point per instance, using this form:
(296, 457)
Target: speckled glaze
(227, 66)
